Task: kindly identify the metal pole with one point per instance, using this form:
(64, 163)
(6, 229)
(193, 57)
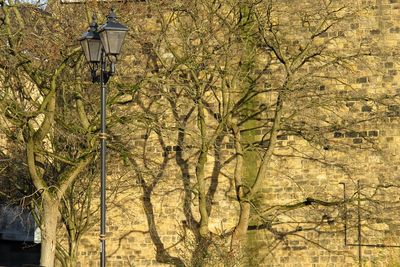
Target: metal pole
(359, 224)
(103, 162)
(345, 213)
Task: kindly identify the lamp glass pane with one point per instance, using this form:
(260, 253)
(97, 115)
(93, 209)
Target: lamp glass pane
(95, 50)
(104, 41)
(85, 47)
(113, 39)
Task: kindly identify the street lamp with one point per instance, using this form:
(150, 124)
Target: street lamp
(101, 46)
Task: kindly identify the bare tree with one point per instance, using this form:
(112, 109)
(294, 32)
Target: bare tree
(43, 112)
(256, 73)
(215, 87)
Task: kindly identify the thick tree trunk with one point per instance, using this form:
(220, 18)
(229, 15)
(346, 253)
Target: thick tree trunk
(200, 173)
(240, 233)
(73, 254)
(202, 194)
(49, 232)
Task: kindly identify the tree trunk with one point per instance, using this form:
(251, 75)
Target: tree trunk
(240, 233)
(49, 232)
(200, 172)
(73, 253)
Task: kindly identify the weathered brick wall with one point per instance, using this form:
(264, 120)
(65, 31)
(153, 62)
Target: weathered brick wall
(318, 237)
(366, 153)
(302, 198)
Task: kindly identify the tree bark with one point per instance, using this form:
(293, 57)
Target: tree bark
(73, 253)
(50, 220)
(200, 173)
(240, 233)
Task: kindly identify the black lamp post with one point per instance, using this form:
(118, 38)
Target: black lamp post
(101, 48)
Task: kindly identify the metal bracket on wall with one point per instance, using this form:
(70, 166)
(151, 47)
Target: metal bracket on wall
(359, 243)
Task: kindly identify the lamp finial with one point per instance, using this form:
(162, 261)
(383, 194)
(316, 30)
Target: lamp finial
(112, 15)
(93, 25)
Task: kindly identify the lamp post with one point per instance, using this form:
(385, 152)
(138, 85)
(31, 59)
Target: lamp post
(101, 46)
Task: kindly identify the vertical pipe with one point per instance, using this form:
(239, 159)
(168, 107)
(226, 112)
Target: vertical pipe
(103, 161)
(345, 213)
(359, 224)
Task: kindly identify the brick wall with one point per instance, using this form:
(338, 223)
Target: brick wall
(300, 214)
